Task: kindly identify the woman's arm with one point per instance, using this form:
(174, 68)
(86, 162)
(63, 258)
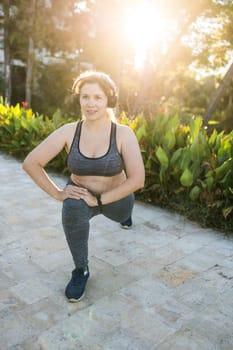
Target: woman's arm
(133, 165)
(37, 159)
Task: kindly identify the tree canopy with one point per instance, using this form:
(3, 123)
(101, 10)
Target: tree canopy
(164, 54)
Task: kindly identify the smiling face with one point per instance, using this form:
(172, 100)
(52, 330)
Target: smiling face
(93, 101)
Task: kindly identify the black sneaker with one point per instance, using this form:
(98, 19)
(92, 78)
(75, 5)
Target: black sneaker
(76, 287)
(127, 223)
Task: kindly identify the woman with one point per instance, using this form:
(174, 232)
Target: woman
(106, 168)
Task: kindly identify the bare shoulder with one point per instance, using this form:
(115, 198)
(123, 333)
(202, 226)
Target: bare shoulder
(68, 128)
(124, 130)
(61, 137)
(67, 132)
(124, 133)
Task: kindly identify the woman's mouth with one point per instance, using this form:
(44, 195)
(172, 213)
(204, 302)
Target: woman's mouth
(91, 111)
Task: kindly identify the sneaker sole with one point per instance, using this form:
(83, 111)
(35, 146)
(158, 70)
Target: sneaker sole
(73, 300)
(126, 227)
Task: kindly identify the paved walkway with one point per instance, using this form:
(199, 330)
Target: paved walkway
(166, 284)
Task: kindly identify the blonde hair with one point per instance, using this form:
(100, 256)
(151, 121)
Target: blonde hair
(111, 115)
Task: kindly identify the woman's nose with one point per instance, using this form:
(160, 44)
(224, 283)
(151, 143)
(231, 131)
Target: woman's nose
(91, 102)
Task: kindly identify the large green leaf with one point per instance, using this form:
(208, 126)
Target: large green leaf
(195, 126)
(169, 140)
(162, 157)
(186, 178)
(195, 193)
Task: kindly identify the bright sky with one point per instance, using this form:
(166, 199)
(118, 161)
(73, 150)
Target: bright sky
(145, 26)
(149, 29)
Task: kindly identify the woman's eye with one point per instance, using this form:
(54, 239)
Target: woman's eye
(87, 97)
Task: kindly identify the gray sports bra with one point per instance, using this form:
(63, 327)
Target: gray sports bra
(110, 164)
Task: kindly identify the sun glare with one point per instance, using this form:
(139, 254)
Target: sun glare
(144, 28)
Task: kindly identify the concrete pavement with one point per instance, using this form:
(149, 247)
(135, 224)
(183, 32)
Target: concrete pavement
(165, 284)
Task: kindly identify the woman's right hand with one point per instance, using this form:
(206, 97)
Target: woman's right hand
(71, 191)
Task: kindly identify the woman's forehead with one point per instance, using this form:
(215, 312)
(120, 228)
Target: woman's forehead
(91, 88)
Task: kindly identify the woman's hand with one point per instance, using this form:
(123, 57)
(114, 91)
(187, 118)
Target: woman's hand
(76, 192)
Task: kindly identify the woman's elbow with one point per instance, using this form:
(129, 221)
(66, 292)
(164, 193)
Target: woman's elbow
(25, 164)
(27, 167)
(140, 183)
(28, 163)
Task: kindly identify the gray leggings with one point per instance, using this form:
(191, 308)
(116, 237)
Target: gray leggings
(76, 215)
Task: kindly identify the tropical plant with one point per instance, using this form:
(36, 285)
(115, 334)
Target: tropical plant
(186, 168)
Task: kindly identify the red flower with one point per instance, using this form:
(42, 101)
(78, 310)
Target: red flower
(24, 104)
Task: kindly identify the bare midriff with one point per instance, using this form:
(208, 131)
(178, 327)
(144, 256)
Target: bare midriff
(99, 184)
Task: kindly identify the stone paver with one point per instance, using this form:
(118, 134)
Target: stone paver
(164, 284)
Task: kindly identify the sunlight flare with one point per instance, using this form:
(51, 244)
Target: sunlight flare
(144, 27)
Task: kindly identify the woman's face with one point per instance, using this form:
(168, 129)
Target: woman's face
(93, 101)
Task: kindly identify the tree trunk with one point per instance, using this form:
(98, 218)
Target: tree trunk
(30, 59)
(218, 93)
(30, 62)
(7, 58)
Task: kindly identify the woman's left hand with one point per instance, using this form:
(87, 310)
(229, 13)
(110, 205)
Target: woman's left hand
(81, 193)
(89, 198)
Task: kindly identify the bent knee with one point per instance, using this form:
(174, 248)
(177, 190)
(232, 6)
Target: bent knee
(74, 205)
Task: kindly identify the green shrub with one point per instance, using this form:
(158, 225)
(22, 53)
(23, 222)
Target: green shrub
(21, 130)
(186, 169)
